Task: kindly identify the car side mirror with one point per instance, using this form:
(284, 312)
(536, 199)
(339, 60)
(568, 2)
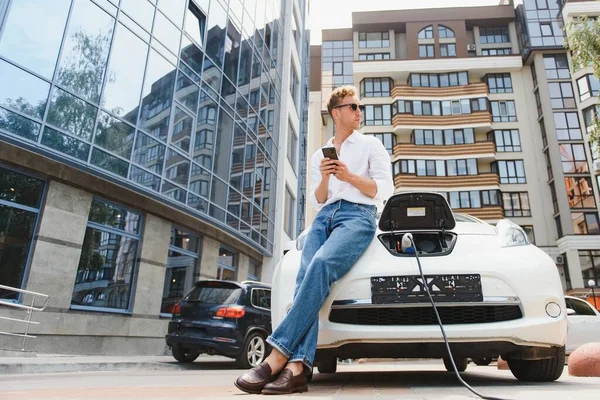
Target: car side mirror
(570, 311)
(288, 246)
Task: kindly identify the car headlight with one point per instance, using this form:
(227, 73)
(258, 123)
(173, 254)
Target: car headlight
(511, 234)
(300, 240)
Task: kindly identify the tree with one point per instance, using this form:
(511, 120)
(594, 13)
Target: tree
(583, 39)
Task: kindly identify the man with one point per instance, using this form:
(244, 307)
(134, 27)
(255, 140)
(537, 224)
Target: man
(347, 193)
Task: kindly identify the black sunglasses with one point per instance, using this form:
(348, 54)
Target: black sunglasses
(354, 106)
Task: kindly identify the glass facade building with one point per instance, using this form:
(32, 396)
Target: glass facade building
(146, 145)
(175, 98)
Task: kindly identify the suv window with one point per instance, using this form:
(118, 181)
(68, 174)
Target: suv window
(261, 298)
(580, 307)
(214, 293)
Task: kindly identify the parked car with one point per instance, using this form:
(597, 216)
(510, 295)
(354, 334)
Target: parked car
(584, 323)
(230, 319)
(481, 276)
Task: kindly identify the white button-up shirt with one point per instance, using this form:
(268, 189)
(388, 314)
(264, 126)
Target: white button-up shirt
(364, 156)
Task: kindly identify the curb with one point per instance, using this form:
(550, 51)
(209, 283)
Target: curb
(47, 368)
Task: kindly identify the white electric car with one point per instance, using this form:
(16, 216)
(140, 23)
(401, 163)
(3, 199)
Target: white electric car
(496, 293)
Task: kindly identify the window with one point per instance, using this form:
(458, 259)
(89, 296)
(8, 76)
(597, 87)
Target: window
(538, 102)
(588, 86)
(503, 111)
(496, 52)
(109, 258)
(579, 306)
(585, 223)
(388, 140)
(426, 33)
(490, 197)
(294, 86)
(580, 192)
(448, 50)
(543, 132)
(567, 126)
(507, 140)
(529, 231)
(254, 270)
(554, 199)
(374, 56)
(516, 204)
(534, 75)
(445, 32)
(561, 95)
(426, 51)
(261, 298)
(443, 137)
(546, 29)
(374, 40)
(590, 117)
(376, 87)
(471, 199)
(182, 268)
(557, 66)
(499, 83)
(378, 115)
(510, 171)
(195, 23)
(288, 218)
(590, 269)
(227, 264)
(548, 165)
(338, 68)
(20, 202)
(436, 167)
(494, 35)
(292, 146)
(439, 80)
(574, 160)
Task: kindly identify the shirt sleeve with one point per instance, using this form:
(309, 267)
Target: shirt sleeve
(380, 170)
(315, 164)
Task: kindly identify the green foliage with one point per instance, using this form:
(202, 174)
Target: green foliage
(583, 39)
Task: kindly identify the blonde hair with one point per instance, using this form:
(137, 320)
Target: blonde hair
(338, 94)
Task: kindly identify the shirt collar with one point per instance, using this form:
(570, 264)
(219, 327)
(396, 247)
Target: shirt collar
(352, 138)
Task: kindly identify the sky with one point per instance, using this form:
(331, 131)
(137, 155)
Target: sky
(328, 14)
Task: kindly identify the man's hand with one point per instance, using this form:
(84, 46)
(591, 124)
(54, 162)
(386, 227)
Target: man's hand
(327, 168)
(342, 172)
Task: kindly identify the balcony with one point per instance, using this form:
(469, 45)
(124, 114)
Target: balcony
(472, 90)
(485, 213)
(404, 150)
(409, 121)
(446, 182)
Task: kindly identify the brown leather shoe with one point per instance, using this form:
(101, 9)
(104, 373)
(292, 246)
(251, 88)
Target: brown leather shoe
(287, 383)
(255, 380)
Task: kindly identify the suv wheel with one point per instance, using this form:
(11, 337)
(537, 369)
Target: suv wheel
(461, 364)
(328, 366)
(546, 370)
(184, 355)
(253, 352)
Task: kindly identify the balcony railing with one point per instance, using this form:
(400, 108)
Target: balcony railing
(408, 149)
(479, 117)
(479, 89)
(485, 179)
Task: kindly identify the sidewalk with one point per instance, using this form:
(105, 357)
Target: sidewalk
(61, 363)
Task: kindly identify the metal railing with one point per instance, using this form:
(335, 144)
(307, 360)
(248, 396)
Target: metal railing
(28, 308)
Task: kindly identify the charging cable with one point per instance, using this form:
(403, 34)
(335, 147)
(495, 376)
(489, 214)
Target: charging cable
(410, 237)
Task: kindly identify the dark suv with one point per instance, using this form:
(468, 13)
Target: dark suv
(226, 318)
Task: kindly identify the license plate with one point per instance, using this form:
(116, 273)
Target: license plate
(411, 289)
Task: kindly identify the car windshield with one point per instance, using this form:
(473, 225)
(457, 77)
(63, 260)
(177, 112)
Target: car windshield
(214, 293)
(465, 218)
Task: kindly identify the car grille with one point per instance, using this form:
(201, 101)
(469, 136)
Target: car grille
(424, 315)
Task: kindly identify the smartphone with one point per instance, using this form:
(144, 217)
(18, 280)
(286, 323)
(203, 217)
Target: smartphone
(329, 152)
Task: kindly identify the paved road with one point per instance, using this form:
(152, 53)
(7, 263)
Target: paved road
(414, 380)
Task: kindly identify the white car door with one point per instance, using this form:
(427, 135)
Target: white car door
(584, 324)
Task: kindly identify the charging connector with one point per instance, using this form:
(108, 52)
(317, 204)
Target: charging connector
(410, 237)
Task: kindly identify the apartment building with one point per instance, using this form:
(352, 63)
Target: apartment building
(478, 103)
(144, 145)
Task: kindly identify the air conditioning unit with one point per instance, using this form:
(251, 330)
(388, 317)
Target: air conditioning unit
(597, 165)
(559, 260)
(471, 47)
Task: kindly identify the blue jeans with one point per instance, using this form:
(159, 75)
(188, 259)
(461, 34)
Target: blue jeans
(339, 235)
